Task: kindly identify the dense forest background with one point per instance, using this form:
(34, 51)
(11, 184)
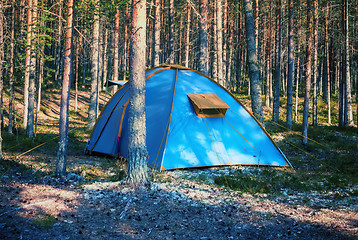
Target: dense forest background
(306, 49)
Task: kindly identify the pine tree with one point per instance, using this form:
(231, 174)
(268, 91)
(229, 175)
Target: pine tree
(137, 150)
(65, 95)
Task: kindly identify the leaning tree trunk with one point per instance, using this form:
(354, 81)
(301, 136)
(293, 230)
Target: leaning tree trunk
(276, 102)
(92, 110)
(308, 73)
(203, 36)
(137, 173)
(256, 102)
(290, 67)
(65, 96)
(156, 34)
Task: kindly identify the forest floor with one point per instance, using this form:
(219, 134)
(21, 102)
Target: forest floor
(318, 199)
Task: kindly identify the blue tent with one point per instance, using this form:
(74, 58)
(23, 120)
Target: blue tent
(191, 122)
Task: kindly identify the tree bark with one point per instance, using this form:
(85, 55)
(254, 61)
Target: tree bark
(171, 31)
(65, 95)
(290, 67)
(27, 63)
(328, 74)
(116, 48)
(348, 94)
(187, 38)
(268, 99)
(315, 63)
(93, 105)
(219, 42)
(276, 102)
(297, 81)
(156, 34)
(1, 68)
(59, 59)
(308, 73)
(32, 75)
(256, 102)
(11, 73)
(137, 173)
(203, 36)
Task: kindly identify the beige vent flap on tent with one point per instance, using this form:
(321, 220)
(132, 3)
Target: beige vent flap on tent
(208, 105)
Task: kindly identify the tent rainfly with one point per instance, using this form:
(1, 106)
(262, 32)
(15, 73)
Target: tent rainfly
(191, 122)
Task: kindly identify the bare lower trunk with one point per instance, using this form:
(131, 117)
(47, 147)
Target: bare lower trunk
(27, 62)
(276, 102)
(187, 39)
(315, 64)
(203, 36)
(256, 102)
(137, 158)
(93, 106)
(219, 42)
(11, 73)
(328, 77)
(290, 67)
(308, 73)
(1, 62)
(65, 96)
(156, 34)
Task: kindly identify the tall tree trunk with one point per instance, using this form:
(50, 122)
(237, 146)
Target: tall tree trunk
(39, 91)
(78, 45)
(187, 39)
(219, 42)
(225, 40)
(256, 101)
(348, 94)
(32, 75)
(105, 59)
(1, 68)
(93, 105)
(290, 67)
(214, 47)
(11, 73)
(156, 34)
(315, 62)
(308, 73)
(328, 74)
(203, 36)
(276, 102)
(126, 44)
(268, 99)
(171, 32)
(137, 173)
(59, 58)
(27, 63)
(116, 48)
(65, 95)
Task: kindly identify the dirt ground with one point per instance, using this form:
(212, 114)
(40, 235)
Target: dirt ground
(40, 206)
(50, 208)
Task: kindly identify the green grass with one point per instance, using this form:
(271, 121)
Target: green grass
(44, 221)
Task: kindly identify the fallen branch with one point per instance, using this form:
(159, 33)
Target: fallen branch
(125, 209)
